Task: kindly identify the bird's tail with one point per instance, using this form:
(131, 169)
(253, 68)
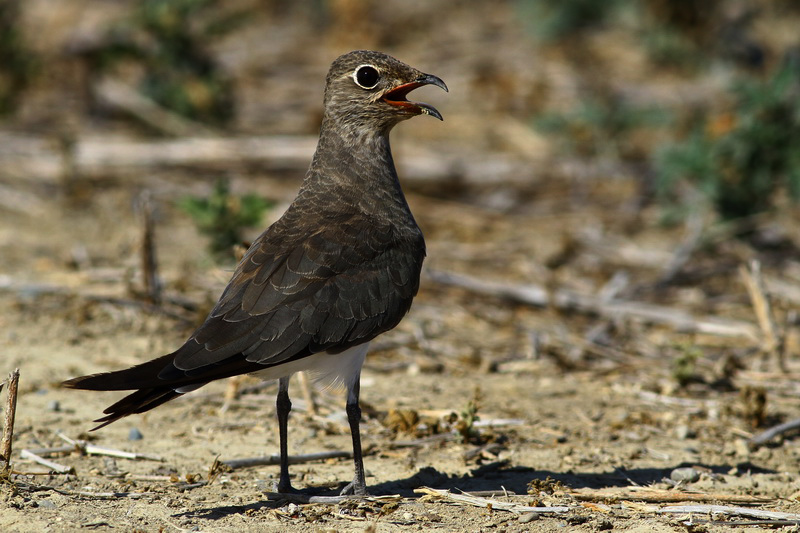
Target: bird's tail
(143, 377)
(156, 382)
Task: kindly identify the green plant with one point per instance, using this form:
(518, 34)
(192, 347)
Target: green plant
(668, 47)
(18, 63)
(684, 366)
(555, 19)
(739, 160)
(600, 126)
(222, 216)
(465, 425)
(169, 39)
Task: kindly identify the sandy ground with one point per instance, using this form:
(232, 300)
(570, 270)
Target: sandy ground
(597, 438)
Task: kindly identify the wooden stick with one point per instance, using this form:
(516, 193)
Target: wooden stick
(537, 296)
(55, 450)
(304, 499)
(728, 510)
(53, 466)
(651, 495)
(769, 434)
(8, 422)
(33, 158)
(117, 94)
(490, 493)
(275, 459)
(771, 338)
(91, 449)
(486, 503)
(308, 393)
(762, 523)
(103, 495)
(151, 281)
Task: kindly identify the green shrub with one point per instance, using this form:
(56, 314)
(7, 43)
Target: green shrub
(17, 62)
(169, 39)
(555, 19)
(223, 217)
(601, 126)
(740, 160)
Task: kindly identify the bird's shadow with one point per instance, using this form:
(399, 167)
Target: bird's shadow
(491, 477)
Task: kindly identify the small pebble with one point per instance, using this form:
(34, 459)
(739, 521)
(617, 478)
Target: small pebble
(45, 504)
(408, 516)
(135, 434)
(604, 524)
(54, 405)
(683, 432)
(685, 474)
(528, 517)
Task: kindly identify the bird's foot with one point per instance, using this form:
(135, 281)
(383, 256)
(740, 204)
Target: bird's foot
(354, 488)
(285, 488)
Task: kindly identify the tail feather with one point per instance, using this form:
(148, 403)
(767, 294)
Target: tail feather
(141, 376)
(138, 402)
(152, 390)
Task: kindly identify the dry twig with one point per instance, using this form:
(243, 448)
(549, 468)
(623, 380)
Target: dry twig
(303, 498)
(653, 495)
(770, 433)
(568, 301)
(91, 449)
(33, 158)
(8, 421)
(308, 393)
(117, 94)
(53, 466)
(486, 503)
(771, 338)
(728, 510)
(275, 459)
(151, 280)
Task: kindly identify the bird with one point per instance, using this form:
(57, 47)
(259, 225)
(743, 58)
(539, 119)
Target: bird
(339, 267)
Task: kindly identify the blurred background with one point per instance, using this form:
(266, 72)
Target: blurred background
(688, 106)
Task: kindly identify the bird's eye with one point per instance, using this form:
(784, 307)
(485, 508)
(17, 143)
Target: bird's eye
(366, 76)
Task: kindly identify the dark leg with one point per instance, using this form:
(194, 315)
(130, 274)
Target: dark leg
(359, 485)
(283, 406)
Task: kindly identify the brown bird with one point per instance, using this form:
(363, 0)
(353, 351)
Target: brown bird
(339, 268)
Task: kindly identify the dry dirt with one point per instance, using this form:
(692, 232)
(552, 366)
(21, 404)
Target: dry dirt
(568, 422)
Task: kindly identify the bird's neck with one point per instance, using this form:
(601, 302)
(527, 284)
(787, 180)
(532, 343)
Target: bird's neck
(355, 151)
(357, 163)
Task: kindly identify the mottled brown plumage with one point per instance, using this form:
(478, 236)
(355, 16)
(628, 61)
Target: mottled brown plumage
(340, 267)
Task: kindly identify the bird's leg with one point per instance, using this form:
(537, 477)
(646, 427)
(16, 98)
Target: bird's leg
(359, 485)
(283, 406)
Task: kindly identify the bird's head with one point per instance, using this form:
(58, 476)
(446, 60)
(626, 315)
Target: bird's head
(366, 89)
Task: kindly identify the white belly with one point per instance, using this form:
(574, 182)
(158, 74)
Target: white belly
(331, 369)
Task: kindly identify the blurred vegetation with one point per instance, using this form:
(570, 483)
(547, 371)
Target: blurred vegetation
(680, 34)
(684, 365)
(223, 217)
(740, 159)
(17, 63)
(601, 126)
(170, 40)
(465, 424)
(554, 19)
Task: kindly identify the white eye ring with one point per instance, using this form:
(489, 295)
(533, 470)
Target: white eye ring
(366, 76)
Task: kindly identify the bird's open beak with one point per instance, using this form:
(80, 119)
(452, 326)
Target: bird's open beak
(397, 96)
